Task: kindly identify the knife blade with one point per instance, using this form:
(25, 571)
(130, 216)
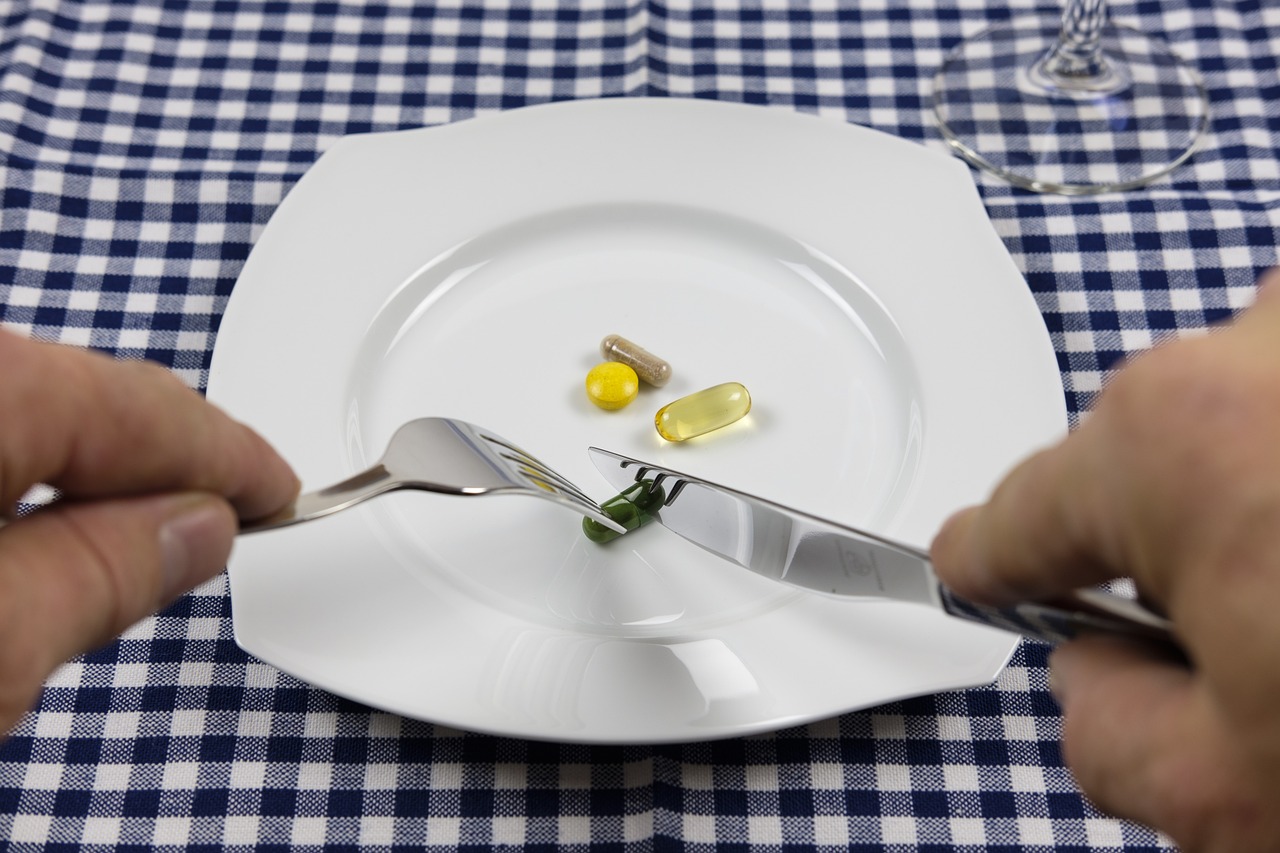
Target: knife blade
(804, 550)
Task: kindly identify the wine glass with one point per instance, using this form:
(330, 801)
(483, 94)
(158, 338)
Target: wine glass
(1071, 105)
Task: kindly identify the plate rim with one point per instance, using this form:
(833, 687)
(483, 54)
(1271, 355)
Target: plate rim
(344, 148)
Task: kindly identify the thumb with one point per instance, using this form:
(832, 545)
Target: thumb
(73, 576)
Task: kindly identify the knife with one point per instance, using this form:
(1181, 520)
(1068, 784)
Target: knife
(807, 551)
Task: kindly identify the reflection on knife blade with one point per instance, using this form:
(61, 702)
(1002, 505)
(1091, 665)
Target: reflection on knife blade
(797, 548)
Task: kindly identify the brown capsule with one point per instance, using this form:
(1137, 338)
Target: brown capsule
(647, 366)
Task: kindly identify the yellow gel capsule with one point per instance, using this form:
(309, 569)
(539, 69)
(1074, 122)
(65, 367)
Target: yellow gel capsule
(702, 411)
(612, 385)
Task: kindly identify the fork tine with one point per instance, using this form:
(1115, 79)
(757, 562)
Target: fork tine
(547, 478)
(550, 480)
(558, 488)
(501, 442)
(540, 473)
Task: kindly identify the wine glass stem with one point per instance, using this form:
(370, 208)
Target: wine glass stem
(1076, 61)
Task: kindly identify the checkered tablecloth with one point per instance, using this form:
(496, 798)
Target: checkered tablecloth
(143, 146)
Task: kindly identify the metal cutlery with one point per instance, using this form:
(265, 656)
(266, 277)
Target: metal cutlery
(818, 554)
(442, 455)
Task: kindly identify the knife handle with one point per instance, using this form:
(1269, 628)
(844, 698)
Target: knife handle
(1079, 612)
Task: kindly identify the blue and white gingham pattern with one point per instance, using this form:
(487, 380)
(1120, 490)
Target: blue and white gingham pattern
(144, 144)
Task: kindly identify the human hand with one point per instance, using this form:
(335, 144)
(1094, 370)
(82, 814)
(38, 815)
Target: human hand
(1174, 480)
(153, 480)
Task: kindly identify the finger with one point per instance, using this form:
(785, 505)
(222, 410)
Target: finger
(93, 426)
(1113, 498)
(1140, 736)
(73, 576)
(1269, 285)
(1034, 539)
(1266, 304)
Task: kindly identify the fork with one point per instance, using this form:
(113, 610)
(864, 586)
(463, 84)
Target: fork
(447, 456)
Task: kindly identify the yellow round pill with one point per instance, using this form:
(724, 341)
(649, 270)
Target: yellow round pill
(611, 385)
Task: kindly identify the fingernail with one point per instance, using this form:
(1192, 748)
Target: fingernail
(948, 528)
(195, 541)
(1058, 678)
(1055, 684)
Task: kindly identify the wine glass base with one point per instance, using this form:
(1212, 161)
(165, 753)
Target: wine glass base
(1135, 122)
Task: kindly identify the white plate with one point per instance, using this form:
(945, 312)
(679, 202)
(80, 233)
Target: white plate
(850, 279)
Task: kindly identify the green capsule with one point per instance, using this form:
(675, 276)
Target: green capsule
(632, 508)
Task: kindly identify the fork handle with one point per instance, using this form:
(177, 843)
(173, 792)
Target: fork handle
(351, 491)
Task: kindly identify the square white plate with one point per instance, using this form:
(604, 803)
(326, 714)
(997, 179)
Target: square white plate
(851, 280)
